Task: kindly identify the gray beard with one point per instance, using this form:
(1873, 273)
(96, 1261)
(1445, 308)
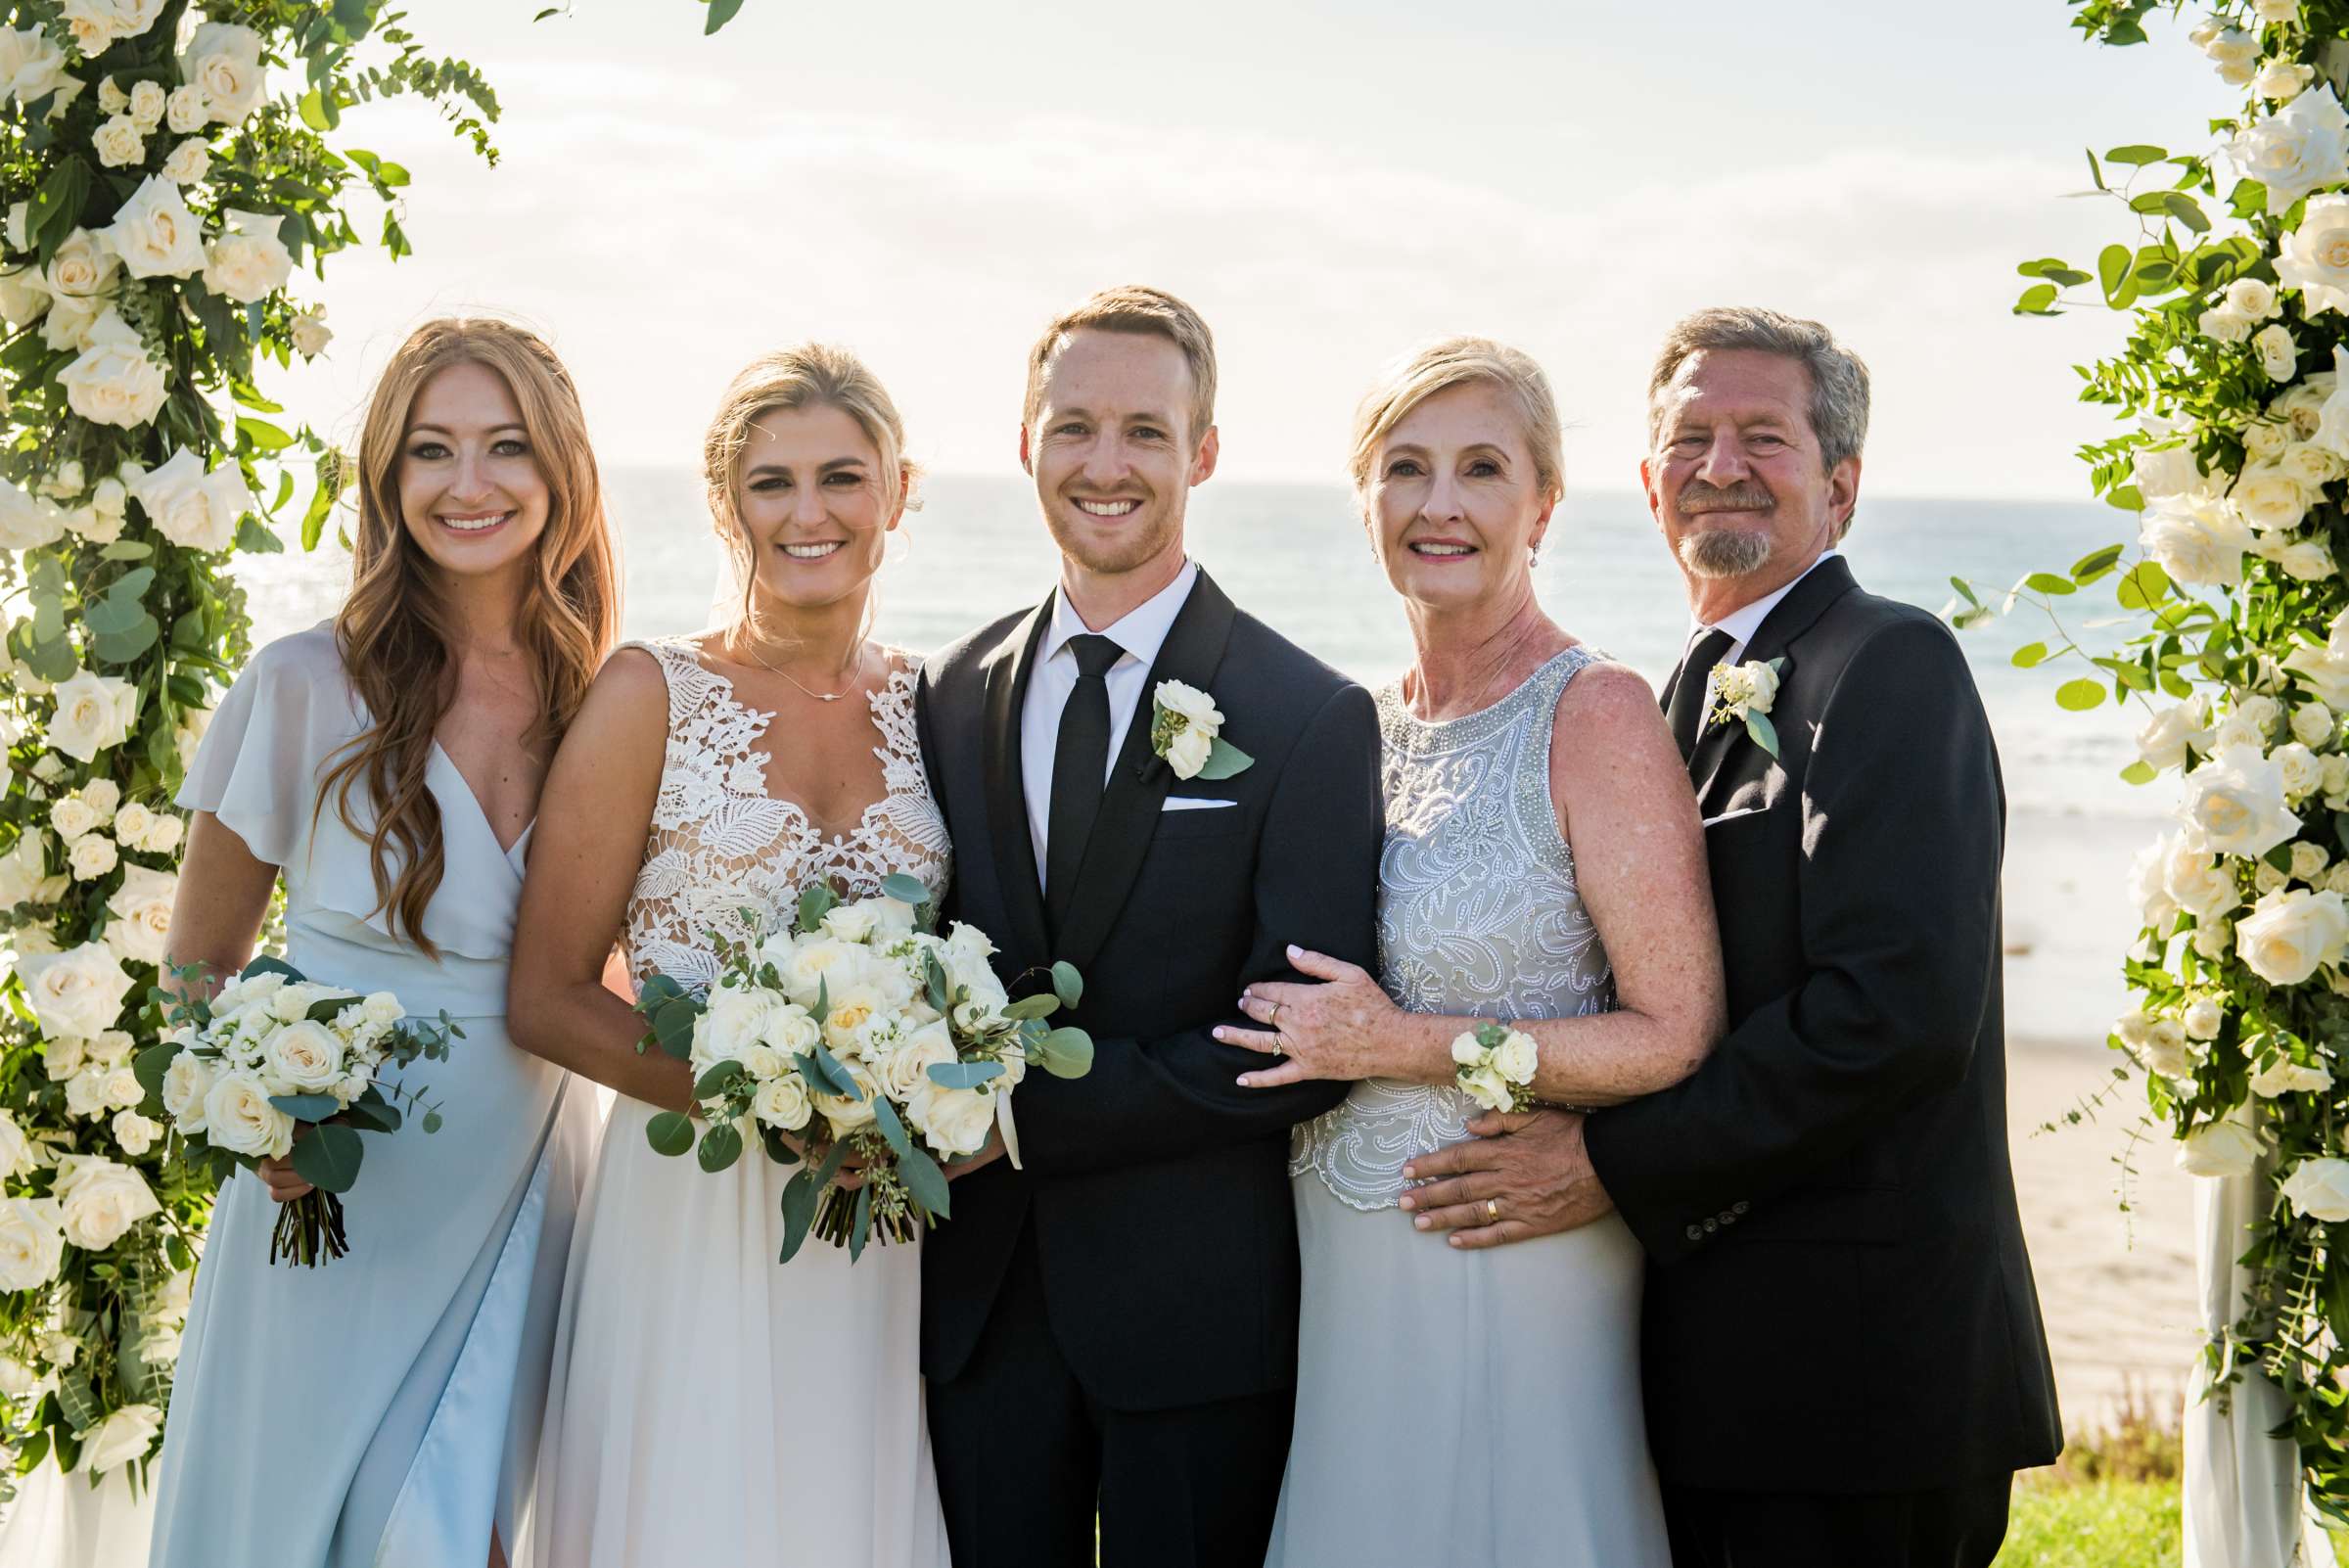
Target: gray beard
(1724, 552)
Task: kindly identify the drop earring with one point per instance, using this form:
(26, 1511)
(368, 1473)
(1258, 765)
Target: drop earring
(1533, 553)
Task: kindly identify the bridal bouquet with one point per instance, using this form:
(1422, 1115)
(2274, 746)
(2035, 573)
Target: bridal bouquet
(859, 1035)
(276, 1065)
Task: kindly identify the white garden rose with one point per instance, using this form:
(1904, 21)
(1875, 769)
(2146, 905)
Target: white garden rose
(2266, 879)
(2146, 882)
(91, 857)
(2308, 561)
(123, 1437)
(93, 714)
(2268, 496)
(302, 1058)
(2284, 1076)
(2195, 880)
(1517, 1057)
(97, 24)
(2312, 465)
(2293, 151)
(2202, 1019)
(2325, 668)
(2319, 1189)
(186, 1081)
(224, 59)
(732, 1024)
(24, 295)
(851, 922)
(2251, 297)
(132, 823)
(184, 110)
(24, 878)
(78, 991)
(2315, 257)
(16, 1380)
(782, 1102)
(907, 1067)
(103, 796)
(2234, 804)
(311, 333)
(2196, 539)
(2164, 740)
(189, 161)
(249, 262)
(17, 1157)
(123, 1086)
(239, 1118)
(2278, 355)
(114, 382)
(2266, 441)
(84, 268)
(2220, 1149)
(163, 837)
(70, 322)
(2287, 12)
(856, 1012)
(117, 142)
(135, 1133)
(2165, 1051)
(2236, 54)
(2221, 324)
(32, 1243)
(955, 1121)
(846, 1113)
(2280, 82)
(1198, 710)
(28, 523)
(2288, 935)
(31, 67)
(1188, 750)
(2162, 471)
(70, 816)
(154, 234)
(792, 1030)
(99, 1199)
(147, 102)
(834, 964)
(2214, 940)
(2309, 861)
(2302, 772)
(194, 509)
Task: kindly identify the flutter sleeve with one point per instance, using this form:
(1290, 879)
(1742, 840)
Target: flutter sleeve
(257, 769)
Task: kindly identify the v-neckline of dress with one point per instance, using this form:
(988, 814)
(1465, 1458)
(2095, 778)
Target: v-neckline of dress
(481, 812)
(764, 717)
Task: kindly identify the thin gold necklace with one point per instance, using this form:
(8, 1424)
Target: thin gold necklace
(854, 675)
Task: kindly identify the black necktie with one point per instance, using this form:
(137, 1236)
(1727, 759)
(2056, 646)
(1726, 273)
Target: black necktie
(1691, 686)
(1079, 766)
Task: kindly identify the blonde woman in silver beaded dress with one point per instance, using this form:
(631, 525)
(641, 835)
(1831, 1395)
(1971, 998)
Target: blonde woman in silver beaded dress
(1471, 1398)
(709, 1405)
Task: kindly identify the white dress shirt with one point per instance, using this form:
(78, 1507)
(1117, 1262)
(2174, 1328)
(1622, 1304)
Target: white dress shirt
(1740, 625)
(1141, 632)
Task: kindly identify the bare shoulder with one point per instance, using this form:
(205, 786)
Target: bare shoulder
(1610, 743)
(1606, 705)
(626, 703)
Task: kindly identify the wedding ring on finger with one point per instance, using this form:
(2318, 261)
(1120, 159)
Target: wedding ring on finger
(1492, 1211)
(1273, 1017)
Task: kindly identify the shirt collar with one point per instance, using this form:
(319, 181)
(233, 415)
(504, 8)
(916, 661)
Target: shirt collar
(1742, 624)
(1141, 631)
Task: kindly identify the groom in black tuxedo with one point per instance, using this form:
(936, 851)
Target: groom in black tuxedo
(1844, 1359)
(1113, 1324)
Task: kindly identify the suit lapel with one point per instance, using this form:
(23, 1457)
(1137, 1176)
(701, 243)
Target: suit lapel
(1787, 620)
(1008, 669)
(1138, 780)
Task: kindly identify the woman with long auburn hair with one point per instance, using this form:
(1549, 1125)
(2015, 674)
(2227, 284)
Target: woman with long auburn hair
(385, 1407)
(706, 1406)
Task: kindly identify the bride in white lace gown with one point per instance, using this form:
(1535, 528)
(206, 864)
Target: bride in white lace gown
(709, 1405)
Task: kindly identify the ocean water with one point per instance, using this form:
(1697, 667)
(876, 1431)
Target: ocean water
(1296, 556)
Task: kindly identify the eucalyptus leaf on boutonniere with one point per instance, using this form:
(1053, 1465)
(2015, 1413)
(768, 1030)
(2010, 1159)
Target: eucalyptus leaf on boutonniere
(1185, 729)
(1744, 693)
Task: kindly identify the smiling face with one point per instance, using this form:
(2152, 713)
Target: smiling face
(472, 494)
(1735, 480)
(1112, 453)
(810, 491)
(1455, 502)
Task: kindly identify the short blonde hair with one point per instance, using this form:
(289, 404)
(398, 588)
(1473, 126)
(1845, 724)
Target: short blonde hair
(1143, 311)
(1452, 362)
(813, 375)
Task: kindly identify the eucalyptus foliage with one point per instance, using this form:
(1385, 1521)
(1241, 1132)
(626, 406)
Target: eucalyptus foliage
(165, 169)
(2232, 274)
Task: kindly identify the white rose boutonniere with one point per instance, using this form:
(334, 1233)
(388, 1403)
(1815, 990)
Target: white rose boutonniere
(1744, 693)
(1186, 730)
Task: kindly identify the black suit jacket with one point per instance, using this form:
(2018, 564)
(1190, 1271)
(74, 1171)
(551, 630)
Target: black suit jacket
(1156, 1184)
(1838, 1298)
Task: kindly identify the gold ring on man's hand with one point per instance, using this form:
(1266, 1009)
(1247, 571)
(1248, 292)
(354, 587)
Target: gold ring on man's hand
(1492, 1211)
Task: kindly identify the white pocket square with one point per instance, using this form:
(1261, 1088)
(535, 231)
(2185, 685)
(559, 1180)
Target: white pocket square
(1732, 816)
(1192, 802)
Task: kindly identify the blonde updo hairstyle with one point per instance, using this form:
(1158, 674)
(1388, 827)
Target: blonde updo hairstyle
(1439, 367)
(813, 375)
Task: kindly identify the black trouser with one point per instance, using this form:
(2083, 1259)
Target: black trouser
(1025, 1456)
(1953, 1527)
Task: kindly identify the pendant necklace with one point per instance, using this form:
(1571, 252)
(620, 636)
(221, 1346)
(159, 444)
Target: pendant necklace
(854, 675)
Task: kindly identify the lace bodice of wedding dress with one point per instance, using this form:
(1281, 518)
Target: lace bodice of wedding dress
(720, 844)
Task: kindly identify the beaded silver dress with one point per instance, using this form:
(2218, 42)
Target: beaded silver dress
(1505, 1381)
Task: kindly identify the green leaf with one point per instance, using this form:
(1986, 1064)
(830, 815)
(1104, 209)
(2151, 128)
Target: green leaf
(2096, 565)
(815, 904)
(329, 1158)
(964, 1075)
(721, 12)
(2096, 172)
(1067, 984)
(669, 1133)
(938, 987)
(256, 539)
(2139, 772)
(1066, 1054)
(2247, 200)
(1225, 760)
(925, 1181)
(2079, 696)
(372, 1113)
(2112, 271)
(2030, 656)
(2049, 582)
(800, 1196)
(2143, 586)
(2136, 152)
(1965, 590)
(906, 889)
(2186, 210)
(862, 1229)
(673, 1026)
(720, 1147)
(148, 1066)
(721, 1077)
(126, 550)
(1043, 1004)
(307, 1107)
(1765, 734)
(892, 1130)
(2035, 300)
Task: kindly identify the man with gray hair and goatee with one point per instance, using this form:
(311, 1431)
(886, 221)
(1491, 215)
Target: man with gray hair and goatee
(1844, 1358)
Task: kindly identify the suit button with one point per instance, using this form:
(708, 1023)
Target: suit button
(1696, 1233)
(1729, 1218)
(1739, 1207)
(1712, 1224)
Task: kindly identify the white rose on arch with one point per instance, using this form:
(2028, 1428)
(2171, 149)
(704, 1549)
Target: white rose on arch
(2315, 257)
(2307, 561)
(125, 1434)
(32, 66)
(32, 1243)
(2221, 1149)
(141, 914)
(100, 1199)
(2268, 496)
(93, 713)
(192, 508)
(2234, 804)
(224, 61)
(2280, 82)
(154, 234)
(2278, 355)
(79, 991)
(249, 262)
(2284, 1076)
(2289, 936)
(2165, 739)
(2319, 1189)
(2196, 880)
(2293, 151)
(114, 382)
(2148, 884)
(2197, 538)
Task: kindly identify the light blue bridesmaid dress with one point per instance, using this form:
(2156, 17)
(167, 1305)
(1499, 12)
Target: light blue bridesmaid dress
(383, 1408)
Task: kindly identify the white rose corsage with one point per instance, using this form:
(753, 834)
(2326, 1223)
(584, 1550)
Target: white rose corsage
(1186, 730)
(1495, 1066)
(1743, 693)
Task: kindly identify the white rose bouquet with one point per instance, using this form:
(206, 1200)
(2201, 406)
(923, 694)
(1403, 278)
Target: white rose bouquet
(1495, 1066)
(275, 1065)
(857, 1034)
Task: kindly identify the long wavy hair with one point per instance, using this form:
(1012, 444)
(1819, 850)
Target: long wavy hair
(393, 630)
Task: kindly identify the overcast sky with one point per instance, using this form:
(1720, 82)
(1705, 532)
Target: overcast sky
(1330, 181)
